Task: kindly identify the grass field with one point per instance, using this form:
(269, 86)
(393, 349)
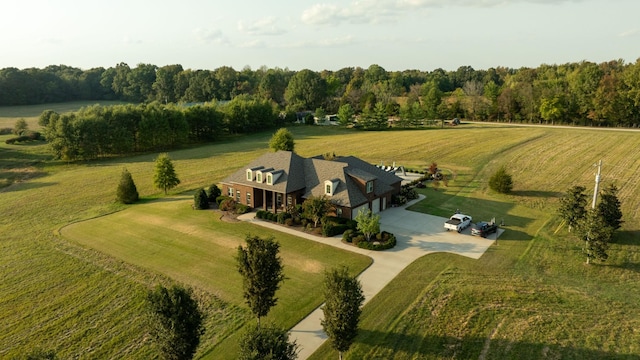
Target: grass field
(529, 297)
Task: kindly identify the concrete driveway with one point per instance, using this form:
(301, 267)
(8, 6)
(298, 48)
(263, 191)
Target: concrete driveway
(417, 235)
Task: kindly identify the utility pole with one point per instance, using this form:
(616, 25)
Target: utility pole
(595, 192)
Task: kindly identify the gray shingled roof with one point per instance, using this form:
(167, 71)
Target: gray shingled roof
(311, 173)
(290, 163)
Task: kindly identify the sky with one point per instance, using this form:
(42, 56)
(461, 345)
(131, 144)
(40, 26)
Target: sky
(317, 35)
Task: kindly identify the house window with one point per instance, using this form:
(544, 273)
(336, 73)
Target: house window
(230, 192)
(279, 200)
(289, 200)
(249, 198)
(269, 179)
(238, 196)
(369, 186)
(339, 212)
(259, 177)
(327, 189)
(249, 175)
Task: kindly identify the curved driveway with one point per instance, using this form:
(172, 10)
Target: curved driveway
(417, 235)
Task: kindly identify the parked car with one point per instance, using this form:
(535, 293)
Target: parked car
(484, 228)
(458, 222)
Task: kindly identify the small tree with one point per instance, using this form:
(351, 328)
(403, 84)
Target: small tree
(214, 192)
(368, 223)
(200, 200)
(315, 207)
(572, 206)
(343, 300)
(165, 175)
(20, 126)
(282, 140)
(609, 207)
(176, 321)
(321, 115)
(127, 192)
(596, 234)
(262, 272)
(345, 115)
(267, 342)
(501, 181)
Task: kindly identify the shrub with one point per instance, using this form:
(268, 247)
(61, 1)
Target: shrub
(304, 222)
(282, 216)
(228, 205)
(309, 227)
(221, 198)
(347, 235)
(242, 209)
(501, 181)
(214, 192)
(126, 193)
(260, 214)
(288, 221)
(356, 240)
(6, 131)
(386, 241)
(200, 200)
(331, 229)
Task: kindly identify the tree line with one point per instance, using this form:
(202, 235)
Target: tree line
(98, 131)
(584, 93)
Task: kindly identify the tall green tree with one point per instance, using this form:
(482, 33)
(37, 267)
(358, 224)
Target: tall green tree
(261, 269)
(267, 343)
(127, 192)
(345, 115)
(306, 90)
(165, 175)
(368, 223)
(597, 234)
(282, 140)
(176, 321)
(609, 207)
(572, 206)
(342, 308)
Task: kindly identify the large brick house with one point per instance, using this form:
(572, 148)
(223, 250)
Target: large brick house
(277, 179)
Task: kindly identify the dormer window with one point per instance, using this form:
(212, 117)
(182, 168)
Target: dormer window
(252, 173)
(270, 178)
(369, 187)
(259, 177)
(330, 186)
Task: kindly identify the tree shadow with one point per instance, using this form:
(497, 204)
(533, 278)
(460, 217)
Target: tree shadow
(431, 346)
(25, 185)
(537, 193)
(627, 237)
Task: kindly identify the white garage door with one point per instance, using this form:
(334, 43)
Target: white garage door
(375, 206)
(355, 211)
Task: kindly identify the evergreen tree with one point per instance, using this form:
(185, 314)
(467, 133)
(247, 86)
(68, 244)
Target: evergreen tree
(262, 272)
(572, 206)
(343, 300)
(596, 234)
(176, 321)
(200, 200)
(501, 181)
(127, 192)
(165, 175)
(214, 192)
(609, 207)
(267, 343)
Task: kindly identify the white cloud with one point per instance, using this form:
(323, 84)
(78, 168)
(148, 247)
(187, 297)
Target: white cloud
(629, 33)
(377, 11)
(252, 44)
(323, 43)
(266, 26)
(214, 36)
(129, 41)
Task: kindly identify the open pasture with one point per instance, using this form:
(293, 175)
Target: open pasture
(528, 297)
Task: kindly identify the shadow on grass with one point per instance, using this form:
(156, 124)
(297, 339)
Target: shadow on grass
(469, 347)
(22, 186)
(535, 193)
(627, 238)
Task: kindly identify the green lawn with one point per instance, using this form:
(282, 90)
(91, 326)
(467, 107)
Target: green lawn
(531, 296)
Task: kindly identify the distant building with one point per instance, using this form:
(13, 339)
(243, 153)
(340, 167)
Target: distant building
(276, 180)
